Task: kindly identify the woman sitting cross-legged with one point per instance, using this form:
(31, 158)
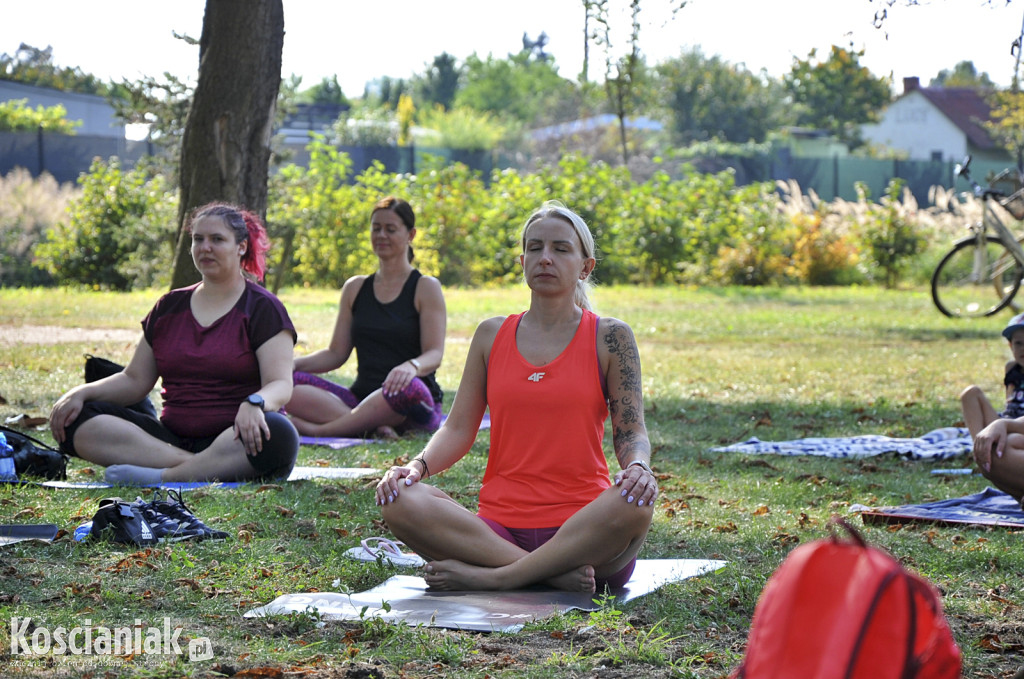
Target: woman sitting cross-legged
(548, 510)
(223, 350)
(395, 320)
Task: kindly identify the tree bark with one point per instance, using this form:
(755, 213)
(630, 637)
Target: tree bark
(225, 151)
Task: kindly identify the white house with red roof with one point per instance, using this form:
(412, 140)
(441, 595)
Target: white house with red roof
(938, 124)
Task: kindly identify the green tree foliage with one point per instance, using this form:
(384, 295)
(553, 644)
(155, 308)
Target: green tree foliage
(892, 240)
(34, 66)
(327, 91)
(837, 94)
(389, 93)
(520, 87)
(439, 84)
(1006, 124)
(121, 231)
(709, 98)
(461, 128)
(160, 103)
(17, 116)
(964, 74)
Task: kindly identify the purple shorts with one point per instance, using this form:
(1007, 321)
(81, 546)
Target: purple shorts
(532, 538)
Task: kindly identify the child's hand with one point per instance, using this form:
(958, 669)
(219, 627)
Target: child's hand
(988, 443)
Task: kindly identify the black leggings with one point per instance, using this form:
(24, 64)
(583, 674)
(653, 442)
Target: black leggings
(274, 462)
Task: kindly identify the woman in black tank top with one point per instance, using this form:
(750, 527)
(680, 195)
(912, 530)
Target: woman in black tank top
(394, 319)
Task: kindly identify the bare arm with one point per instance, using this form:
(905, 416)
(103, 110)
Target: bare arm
(128, 386)
(340, 347)
(621, 360)
(1009, 387)
(275, 360)
(433, 323)
(452, 441)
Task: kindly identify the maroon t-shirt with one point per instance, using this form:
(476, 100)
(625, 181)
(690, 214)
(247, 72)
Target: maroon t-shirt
(207, 372)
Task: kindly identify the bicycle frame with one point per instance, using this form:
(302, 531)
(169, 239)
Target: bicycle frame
(991, 220)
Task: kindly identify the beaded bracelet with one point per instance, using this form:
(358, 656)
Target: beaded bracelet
(426, 469)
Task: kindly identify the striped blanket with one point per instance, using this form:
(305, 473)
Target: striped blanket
(939, 444)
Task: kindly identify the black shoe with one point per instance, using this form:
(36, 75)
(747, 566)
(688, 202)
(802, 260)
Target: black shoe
(32, 457)
(118, 521)
(175, 508)
(164, 527)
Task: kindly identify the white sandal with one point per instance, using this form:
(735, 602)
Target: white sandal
(388, 551)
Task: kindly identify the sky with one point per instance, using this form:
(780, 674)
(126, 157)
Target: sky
(363, 41)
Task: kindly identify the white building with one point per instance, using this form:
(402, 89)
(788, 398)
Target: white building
(95, 113)
(936, 123)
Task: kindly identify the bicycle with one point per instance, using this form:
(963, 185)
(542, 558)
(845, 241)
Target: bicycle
(982, 263)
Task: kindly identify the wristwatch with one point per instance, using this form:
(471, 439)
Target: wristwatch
(256, 400)
(415, 364)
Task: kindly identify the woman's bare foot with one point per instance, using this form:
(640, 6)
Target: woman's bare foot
(452, 575)
(580, 579)
(386, 432)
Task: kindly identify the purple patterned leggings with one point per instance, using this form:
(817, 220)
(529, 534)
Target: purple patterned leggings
(414, 402)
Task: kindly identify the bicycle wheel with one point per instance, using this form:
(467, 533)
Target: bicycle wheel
(965, 279)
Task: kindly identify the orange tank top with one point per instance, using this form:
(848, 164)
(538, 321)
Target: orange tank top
(546, 460)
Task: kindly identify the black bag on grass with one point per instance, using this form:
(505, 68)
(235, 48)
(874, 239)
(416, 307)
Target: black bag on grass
(97, 368)
(32, 457)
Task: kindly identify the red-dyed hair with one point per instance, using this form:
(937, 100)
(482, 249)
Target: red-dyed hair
(246, 226)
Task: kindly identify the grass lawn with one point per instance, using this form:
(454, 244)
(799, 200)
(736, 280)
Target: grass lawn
(720, 366)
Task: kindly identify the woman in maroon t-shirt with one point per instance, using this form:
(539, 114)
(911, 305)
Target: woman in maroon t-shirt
(223, 351)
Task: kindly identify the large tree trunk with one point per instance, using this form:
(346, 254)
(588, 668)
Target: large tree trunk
(225, 149)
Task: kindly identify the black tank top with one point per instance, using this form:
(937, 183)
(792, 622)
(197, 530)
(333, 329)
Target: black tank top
(385, 335)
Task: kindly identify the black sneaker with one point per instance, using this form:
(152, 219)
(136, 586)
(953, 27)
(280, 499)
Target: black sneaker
(164, 527)
(175, 508)
(118, 521)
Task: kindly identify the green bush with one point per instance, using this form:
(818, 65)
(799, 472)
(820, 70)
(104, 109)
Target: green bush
(822, 255)
(17, 116)
(892, 240)
(696, 228)
(121, 232)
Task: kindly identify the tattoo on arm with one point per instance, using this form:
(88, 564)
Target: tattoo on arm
(626, 405)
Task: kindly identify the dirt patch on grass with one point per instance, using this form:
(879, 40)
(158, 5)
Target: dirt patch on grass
(12, 335)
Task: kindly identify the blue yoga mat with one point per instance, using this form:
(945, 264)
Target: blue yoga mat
(990, 507)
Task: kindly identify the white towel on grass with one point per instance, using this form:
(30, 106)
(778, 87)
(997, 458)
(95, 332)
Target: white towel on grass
(939, 444)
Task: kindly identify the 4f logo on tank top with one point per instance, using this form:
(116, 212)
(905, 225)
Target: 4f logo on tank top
(536, 377)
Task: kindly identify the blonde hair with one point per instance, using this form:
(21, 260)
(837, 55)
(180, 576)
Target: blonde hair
(554, 208)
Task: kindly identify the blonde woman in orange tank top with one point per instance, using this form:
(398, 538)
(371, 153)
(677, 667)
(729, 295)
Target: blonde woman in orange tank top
(549, 511)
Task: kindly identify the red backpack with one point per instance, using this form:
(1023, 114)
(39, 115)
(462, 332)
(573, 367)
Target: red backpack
(843, 609)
